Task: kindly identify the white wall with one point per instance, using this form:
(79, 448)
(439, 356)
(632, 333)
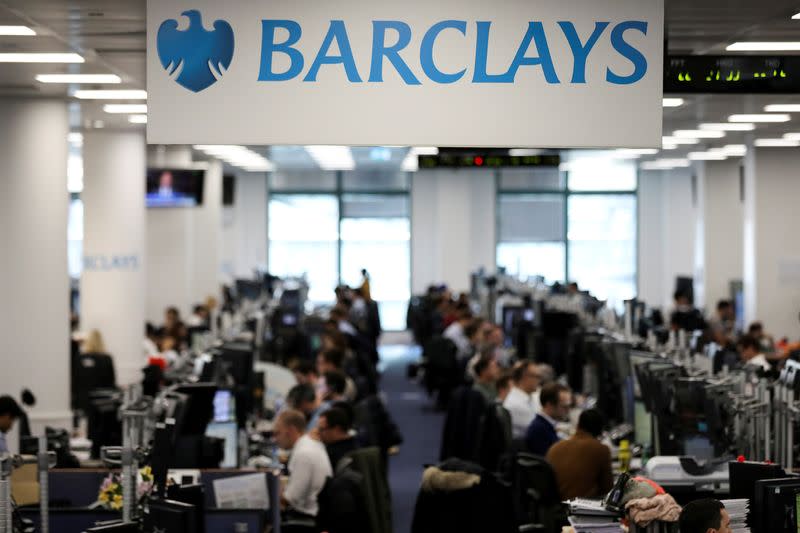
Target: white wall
(34, 283)
(452, 227)
(244, 228)
(667, 224)
(771, 251)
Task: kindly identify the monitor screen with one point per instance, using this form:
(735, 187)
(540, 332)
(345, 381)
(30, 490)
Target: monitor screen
(228, 431)
(174, 187)
(224, 406)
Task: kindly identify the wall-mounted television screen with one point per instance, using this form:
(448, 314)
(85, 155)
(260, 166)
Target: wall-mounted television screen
(168, 187)
(228, 190)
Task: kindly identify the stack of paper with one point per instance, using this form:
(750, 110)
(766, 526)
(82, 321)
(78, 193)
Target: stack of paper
(586, 507)
(594, 524)
(738, 511)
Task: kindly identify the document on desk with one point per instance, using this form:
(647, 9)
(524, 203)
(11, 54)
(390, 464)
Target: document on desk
(583, 506)
(242, 492)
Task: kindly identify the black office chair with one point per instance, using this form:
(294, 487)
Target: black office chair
(91, 372)
(535, 493)
(442, 372)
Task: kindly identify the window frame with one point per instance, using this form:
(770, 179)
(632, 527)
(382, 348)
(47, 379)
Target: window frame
(566, 192)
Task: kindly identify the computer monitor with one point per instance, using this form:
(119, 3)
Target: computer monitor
(247, 289)
(161, 455)
(168, 516)
(229, 432)
(224, 406)
(114, 527)
(199, 408)
(193, 495)
(775, 503)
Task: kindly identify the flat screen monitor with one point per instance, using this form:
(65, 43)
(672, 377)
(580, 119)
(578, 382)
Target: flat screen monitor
(229, 432)
(115, 527)
(224, 406)
(174, 187)
(248, 289)
(168, 516)
(193, 495)
(228, 190)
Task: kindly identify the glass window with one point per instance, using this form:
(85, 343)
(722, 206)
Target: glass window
(376, 180)
(602, 244)
(601, 173)
(528, 259)
(303, 239)
(303, 181)
(75, 238)
(532, 179)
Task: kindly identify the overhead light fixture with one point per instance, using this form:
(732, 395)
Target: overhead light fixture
(796, 17)
(137, 119)
(777, 143)
(707, 156)
(669, 146)
(788, 46)
(672, 102)
(523, 152)
(22, 31)
(727, 126)
(665, 164)
(792, 136)
(138, 109)
(759, 118)
(332, 157)
(782, 108)
(698, 134)
(40, 57)
(111, 94)
(678, 140)
(75, 138)
(411, 163)
(733, 150)
(78, 78)
(238, 156)
(632, 153)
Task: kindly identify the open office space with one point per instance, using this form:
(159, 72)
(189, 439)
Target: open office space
(415, 266)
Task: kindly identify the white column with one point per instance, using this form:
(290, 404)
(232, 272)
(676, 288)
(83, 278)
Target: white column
(771, 242)
(719, 231)
(34, 323)
(206, 236)
(114, 277)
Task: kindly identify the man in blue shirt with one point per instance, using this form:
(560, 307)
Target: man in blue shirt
(9, 412)
(556, 402)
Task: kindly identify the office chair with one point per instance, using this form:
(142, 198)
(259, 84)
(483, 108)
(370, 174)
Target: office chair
(535, 492)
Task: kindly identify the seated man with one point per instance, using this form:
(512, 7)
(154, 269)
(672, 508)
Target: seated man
(10, 411)
(556, 402)
(309, 466)
(520, 402)
(333, 361)
(750, 351)
(705, 516)
(582, 464)
(334, 431)
(304, 398)
(487, 372)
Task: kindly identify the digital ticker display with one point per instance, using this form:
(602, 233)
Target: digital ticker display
(732, 74)
(488, 160)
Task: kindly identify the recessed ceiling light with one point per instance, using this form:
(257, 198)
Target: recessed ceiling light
(790, 46)
(332, 157)
(782, 108)
(111, 95)
(636, 151)
(137, 119)
(796, 17)
(733, 150)
(125, 108)
(672, 102)
(707, 156)
(23, 31)
(665, 164)
(792, 136)
(39, 57)
(78, 78)
(777, 143)
(759, 118)
(679, 140)
(727, 126)
(698, 134)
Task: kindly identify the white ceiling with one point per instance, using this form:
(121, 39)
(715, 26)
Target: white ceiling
(111, 36)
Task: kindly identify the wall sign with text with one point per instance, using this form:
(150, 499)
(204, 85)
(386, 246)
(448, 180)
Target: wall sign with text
(513, 73)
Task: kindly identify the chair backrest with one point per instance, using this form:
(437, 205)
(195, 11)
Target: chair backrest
(534, 487)
(90, 372)
(377, 497)
(463, 427)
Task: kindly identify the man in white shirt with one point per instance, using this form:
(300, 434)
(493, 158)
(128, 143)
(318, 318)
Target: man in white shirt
(309, 466)
(456, 332)
(750, 350)
(520, 402)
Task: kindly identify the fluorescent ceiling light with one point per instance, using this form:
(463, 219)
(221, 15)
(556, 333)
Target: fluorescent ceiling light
(759, 118)
(670, 146)
(17, 30)
(111, 94)
(78, 78)
(39, 57)
(524, 152)
(796, 17)
(733, 150)
(782, 108)
(727, 126)
(777, 143)
(698, 134)
(789, 46)
(332, 157)
(238, 156)
(792, 136)
(125, 108)
(678, 140)
(707, 156)
(137, 119)
(664, 164)
(635, 152)
(672, 102)
(75, 138)
(424, 150)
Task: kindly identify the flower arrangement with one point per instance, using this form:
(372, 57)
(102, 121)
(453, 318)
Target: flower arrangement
(110, 494)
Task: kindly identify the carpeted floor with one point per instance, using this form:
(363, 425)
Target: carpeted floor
(421, 428)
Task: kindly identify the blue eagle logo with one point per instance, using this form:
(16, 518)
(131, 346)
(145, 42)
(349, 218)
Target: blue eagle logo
(202, 56)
